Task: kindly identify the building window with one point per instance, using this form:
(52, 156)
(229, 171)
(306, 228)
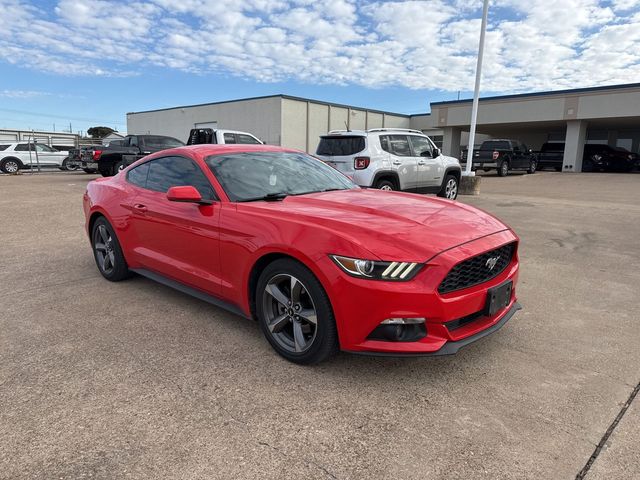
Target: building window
(437, 140)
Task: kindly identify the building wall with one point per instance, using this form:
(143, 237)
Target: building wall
(261, 117)
(47, 138)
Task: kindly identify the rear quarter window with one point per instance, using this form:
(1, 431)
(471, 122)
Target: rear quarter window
(340, 145)
(3, 147)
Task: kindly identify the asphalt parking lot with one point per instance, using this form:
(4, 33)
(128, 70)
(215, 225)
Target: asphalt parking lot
(135, 380)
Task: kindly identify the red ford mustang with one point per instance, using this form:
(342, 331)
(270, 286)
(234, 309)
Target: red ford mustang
(322, 264)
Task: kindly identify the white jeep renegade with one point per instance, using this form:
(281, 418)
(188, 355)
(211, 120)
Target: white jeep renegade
(391, 159)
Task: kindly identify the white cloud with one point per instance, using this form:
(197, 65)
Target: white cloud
(539, 44)
(22, 94)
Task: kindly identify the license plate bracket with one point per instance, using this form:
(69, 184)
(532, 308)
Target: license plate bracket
(498, 298)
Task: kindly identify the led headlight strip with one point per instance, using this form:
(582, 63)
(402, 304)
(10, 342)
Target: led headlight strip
(377, 270)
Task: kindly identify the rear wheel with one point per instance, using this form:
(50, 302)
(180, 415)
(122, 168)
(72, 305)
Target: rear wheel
(385, 185)
(294, 313)
(118, 167)
(107, 252)
(10, 165)
(532, 166)
(449, 188)
(503, 168)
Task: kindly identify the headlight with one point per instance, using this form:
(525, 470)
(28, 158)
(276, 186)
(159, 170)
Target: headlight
(376, 270)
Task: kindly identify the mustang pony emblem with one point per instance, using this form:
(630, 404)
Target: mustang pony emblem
(491, 263)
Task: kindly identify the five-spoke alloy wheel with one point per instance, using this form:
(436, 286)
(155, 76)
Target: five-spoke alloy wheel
(107, 251)
(294, 312)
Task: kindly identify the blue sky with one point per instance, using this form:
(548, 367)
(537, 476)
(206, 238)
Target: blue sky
(88, 62)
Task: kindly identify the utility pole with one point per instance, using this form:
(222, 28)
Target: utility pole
(476, 92)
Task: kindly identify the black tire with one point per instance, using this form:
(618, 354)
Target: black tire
(532, 166)
(450, 187)
(118, 167)
(107, 252)
(10, 165)
(385, 184)
(89, 170)
(324, 340)
(106, 173)
(503, 168)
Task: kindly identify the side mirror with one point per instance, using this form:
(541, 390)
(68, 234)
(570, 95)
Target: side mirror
(187, 194)
(436, 152)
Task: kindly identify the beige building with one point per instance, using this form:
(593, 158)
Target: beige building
(608, 115)
(278, 120)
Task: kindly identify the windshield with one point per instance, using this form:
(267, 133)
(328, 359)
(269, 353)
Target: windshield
(162, 142)
(340, 145)
(258, 175)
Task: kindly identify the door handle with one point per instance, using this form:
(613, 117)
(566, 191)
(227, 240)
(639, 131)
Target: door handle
(397, 162)
(138, 207)
(421, 162)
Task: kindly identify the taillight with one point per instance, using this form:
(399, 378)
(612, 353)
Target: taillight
(496, 155)
(97, 154)
(360, 163)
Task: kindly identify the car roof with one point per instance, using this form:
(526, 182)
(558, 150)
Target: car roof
(364, 133)
(205, 150)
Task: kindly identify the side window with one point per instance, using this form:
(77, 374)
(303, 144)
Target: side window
(399, 145)
(138, 175)
(168, 172)
(420, 146)
(384, 143)
(229, 138)
(4, 147)
(246, 139)
(133, 141)
(22, 147)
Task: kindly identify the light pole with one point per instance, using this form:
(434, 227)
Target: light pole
(476, 92)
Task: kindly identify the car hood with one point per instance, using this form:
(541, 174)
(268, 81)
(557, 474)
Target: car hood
(407, 226)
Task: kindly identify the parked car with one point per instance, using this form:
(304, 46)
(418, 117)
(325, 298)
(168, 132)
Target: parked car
(502, 155)
(551, 155)
(199, 136)
(111, 159)
(391, 159)
(16, 156)
(279, 236)
(604, 158)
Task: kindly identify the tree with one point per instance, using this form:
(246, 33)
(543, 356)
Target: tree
(99, 132)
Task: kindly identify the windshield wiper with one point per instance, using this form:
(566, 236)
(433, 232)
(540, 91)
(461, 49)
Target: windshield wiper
(269, 197)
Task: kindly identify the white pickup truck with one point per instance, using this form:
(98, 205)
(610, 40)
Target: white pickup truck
(16, 156)
(199, 136)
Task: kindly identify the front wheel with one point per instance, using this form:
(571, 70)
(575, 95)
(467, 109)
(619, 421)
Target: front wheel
(295, 314)
(503, 169)
(449, 188)
(532, 166)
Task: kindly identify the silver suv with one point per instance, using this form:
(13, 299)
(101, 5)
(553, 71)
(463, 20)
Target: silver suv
(391, 159)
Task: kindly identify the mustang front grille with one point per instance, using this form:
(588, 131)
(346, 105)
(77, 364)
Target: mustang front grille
(478, 269)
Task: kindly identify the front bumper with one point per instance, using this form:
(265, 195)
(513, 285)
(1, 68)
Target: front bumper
(452, 319)
(451, 348)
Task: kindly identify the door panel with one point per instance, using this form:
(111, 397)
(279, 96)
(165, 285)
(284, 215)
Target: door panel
(427, 166)
(403, 161)
(178, 240)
